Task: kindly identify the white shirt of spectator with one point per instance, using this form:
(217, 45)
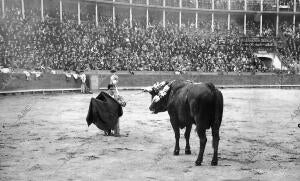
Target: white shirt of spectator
(68, 75)
(114, 79)
(27, 74)
(75, 76)
(83, 78)
(37, 74)
(5, 70)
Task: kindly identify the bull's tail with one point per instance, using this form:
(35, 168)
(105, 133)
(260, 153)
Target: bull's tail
(219, 103)
(217, 112)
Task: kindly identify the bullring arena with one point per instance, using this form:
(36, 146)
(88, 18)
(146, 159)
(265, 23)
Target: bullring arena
(45, 137)
(55, 55)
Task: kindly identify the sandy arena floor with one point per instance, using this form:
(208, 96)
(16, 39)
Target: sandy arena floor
(45, 137)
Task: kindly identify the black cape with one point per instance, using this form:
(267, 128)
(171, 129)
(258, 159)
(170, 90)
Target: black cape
(104, 112)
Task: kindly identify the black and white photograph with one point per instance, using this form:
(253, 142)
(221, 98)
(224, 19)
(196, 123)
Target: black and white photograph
(150, 90)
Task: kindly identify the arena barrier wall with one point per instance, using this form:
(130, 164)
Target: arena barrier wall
(140, 79)
(98, 80)
(18, 82)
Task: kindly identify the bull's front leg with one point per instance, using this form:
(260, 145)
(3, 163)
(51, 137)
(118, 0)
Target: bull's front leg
(203, 140)
(187, 139)
(177, 136)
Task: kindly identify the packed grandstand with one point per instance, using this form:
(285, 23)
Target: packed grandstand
(149, 35)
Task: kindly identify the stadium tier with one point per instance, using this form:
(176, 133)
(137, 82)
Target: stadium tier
(153, 35)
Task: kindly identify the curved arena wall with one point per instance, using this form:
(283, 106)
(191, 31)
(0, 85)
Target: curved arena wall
(99, 80)
(18, 81)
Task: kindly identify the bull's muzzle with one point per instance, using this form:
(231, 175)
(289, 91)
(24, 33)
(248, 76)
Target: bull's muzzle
(151, 108)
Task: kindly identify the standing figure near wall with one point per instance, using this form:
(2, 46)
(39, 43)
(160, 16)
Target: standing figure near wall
(83, 80)
(114, 80)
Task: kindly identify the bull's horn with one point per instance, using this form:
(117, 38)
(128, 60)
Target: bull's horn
(147, 89)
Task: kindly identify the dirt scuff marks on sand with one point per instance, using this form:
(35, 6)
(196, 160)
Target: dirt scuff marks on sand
(259, 141)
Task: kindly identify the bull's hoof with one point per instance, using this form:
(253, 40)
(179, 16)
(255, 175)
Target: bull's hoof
(107, 133)
(188, 152)
(214, 163)
(176, 152)
(198, 163)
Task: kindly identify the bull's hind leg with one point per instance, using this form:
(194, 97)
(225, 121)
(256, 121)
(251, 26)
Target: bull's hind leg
(202, 135)
(216, 128)
(187, 139)
(215, 144)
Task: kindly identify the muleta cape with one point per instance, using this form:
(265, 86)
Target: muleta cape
(104, 112)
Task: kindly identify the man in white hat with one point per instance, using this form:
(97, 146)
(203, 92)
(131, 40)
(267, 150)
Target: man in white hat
(83, 81)
(114, 79)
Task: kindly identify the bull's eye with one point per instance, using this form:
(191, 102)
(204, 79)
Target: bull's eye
(156, 98)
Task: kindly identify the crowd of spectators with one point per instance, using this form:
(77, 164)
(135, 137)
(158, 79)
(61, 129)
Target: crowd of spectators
(30, 44)
(288, 3)
(221, 4)
(237, 5)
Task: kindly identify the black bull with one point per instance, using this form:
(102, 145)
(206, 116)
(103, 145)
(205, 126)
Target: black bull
(188, 104)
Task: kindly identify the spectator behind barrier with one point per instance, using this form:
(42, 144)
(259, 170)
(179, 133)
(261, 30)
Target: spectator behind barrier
(29, 43)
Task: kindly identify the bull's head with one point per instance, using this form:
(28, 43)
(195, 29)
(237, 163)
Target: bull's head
(159, 92)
